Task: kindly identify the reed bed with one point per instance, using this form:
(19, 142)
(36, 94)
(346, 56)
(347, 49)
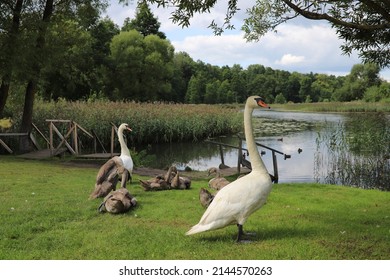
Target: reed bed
(150, 122)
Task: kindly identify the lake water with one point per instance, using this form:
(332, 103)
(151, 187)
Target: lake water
(279, 135)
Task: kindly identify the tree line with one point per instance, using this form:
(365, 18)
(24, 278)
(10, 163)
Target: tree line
(65, 49)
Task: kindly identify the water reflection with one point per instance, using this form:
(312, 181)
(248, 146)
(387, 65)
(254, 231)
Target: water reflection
(310, 139)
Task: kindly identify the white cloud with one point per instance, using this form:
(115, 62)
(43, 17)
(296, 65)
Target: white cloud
(288, 59)
(219, 50)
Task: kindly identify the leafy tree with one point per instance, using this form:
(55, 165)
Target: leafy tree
(127, 58)
(263, 85)
(323, 86)
(36, 67)
(73, 80)
(142, 67)
(225, 93)
(193, 94)
(9, 37)
(293, 87)
(196, 89)
(158, 68)
(363, 25)
(308, 99)
(377, 93)
(211, 94)
(237, 83)
(144, 22)
(84, 48)
(183, 69)
(102, 34)
(305, 88)
(362, 76)
(30, 44)
(280, 99)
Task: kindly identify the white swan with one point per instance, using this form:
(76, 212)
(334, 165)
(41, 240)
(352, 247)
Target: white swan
(125, 152)
(107, 177)
(234, 203)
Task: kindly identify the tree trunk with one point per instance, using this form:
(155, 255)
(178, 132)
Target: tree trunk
(31, 88)
(10, 45)
(25, 145)
(4, 89)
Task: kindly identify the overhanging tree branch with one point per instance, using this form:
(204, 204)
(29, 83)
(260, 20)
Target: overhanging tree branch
(338, 22)
(378, 8)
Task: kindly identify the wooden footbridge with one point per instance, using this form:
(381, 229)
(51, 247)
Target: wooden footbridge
(58, 143)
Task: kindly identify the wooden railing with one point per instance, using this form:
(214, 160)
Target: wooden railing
(72, 133)
(30, 135)
(241, 158)
(69, 139)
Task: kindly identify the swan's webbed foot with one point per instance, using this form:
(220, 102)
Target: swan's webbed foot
(243, 237)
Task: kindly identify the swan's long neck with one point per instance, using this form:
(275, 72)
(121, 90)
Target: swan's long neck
(256, 161)
(124, 150)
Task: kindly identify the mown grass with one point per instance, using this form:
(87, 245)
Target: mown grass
(45, 214)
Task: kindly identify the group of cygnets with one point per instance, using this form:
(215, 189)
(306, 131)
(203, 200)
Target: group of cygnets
(171, 180)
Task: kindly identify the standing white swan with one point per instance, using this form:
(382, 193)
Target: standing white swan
(234, 203)
(108, 175)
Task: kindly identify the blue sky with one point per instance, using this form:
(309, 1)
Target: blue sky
(300, 45)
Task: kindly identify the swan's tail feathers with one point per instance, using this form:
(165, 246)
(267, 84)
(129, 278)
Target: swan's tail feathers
(197, 228)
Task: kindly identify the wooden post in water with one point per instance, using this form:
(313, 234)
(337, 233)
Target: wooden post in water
(239, 155)
(275, 163)
(221, 153)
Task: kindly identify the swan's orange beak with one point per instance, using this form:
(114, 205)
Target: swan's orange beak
(128, 128)
(261, 103)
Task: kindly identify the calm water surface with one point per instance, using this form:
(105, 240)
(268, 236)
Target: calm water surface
(300, 167)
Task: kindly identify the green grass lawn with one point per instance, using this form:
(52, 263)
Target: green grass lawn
(45, 214)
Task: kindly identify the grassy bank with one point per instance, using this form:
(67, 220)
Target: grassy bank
(45, 214)
(354, 106)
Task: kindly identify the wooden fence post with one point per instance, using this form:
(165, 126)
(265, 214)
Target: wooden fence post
(239, 159)
(275, 163)
(51, 138)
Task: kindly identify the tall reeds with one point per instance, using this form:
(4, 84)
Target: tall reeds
(358, 152)
(150, 122)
